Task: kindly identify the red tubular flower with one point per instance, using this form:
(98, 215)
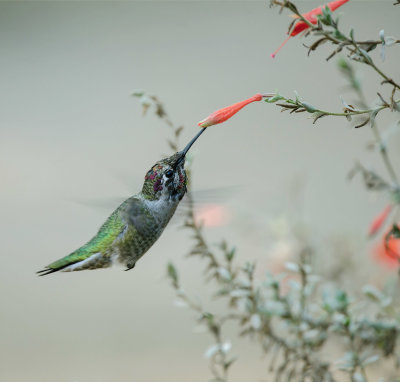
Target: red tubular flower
(224, 114)
(311, 17)
(379, 220)
(387, 252)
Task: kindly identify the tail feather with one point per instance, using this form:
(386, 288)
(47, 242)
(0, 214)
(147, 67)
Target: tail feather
(49, 270)
(94, 261)
(95, 253)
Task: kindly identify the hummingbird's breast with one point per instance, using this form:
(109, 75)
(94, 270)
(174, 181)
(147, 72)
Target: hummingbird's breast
(146, 222)
(162, 210)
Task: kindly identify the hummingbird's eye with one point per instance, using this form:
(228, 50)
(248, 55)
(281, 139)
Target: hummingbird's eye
(169, 173)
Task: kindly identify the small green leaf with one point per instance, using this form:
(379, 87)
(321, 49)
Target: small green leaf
(342, 299)
(239, 293)
(338, 34)
(382, 35)
(180, 303)
(229, 255)
(343, 64)
(326, 17)
(293, 267)
(211, 351)
(366, 56)
(172, 273)
(274, 99)
(224, 273)
(371, 359)
(372, 117)
(255, 321)
(228, 363)
(357, 377)
(396, 196)
(372, 293)
(317, 115)
(138, 93)
(310, 108)
(390, 40)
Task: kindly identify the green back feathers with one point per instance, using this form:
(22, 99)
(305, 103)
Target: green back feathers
(106, 235)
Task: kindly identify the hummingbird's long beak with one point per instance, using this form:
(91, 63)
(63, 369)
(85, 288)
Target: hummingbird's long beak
(188, 146)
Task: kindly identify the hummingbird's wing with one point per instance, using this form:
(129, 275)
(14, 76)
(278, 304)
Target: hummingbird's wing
(140, 217)
(98, 246)
(134, 211)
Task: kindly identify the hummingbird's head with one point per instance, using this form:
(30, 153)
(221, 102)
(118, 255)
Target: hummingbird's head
(167, 178)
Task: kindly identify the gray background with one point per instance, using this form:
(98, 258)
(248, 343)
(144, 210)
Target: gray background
(69, 130)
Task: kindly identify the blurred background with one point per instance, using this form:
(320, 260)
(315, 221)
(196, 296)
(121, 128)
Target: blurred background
(72, 136)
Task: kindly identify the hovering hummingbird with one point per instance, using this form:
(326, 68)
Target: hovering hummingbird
(137, 223)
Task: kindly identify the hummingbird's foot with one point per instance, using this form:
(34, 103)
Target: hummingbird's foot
(130, 266)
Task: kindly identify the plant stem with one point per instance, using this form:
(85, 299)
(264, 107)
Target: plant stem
(379, 140)
(384, 154)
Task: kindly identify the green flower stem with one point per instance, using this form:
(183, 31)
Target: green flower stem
(291, 103)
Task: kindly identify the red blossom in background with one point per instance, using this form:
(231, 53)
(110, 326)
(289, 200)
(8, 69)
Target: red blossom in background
(311, 17)
(379, 220)
(387, 251)
(224, 114)
(211, 215)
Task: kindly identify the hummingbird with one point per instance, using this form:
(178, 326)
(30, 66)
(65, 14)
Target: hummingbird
(137, 223)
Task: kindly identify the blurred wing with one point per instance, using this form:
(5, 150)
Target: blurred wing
(216, 195)
(209, 206)
(106, 203)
